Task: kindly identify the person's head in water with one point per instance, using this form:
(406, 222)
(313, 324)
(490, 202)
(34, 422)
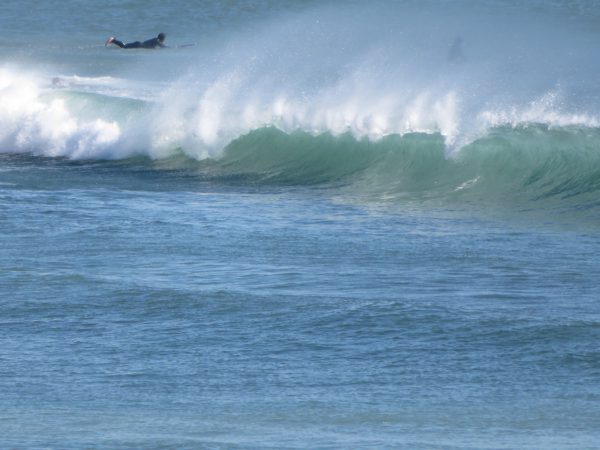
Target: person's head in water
(161, 37)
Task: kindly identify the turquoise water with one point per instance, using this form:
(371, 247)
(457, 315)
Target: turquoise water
(313, 228)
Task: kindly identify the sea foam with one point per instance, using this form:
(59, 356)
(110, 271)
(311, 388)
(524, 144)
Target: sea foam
(30, 121)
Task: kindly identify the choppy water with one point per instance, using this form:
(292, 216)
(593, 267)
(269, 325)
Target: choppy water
(323, 225)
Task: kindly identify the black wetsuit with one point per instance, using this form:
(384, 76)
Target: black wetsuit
(150, 43)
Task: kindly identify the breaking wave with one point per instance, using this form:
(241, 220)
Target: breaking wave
(418, 100)
(529, 163)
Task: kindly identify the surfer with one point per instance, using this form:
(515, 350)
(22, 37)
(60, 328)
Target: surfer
(150, 43)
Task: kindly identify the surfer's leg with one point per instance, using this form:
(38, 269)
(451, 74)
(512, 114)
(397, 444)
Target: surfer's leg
(136, 44)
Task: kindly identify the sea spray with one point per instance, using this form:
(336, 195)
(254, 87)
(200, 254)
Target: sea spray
(386, 70)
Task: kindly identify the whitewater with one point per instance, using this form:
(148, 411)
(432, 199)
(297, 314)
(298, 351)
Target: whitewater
(305, 224)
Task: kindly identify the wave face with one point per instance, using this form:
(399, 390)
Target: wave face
(531, 163)
(433, 99)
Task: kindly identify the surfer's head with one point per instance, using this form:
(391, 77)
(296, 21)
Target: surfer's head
(161, 37)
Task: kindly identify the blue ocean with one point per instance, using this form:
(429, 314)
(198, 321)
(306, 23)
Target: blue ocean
(303, 225)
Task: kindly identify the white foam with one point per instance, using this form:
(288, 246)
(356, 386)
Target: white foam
(467, 184)
(31, 123)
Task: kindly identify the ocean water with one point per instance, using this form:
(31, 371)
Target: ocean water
(306, 224)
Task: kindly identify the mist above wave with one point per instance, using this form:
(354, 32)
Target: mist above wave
(388, 69)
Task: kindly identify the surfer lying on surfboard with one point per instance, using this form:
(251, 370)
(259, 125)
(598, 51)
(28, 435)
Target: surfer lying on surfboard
(150, 43)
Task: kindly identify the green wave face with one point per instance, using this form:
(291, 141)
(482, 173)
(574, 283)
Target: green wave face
(532, 162)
